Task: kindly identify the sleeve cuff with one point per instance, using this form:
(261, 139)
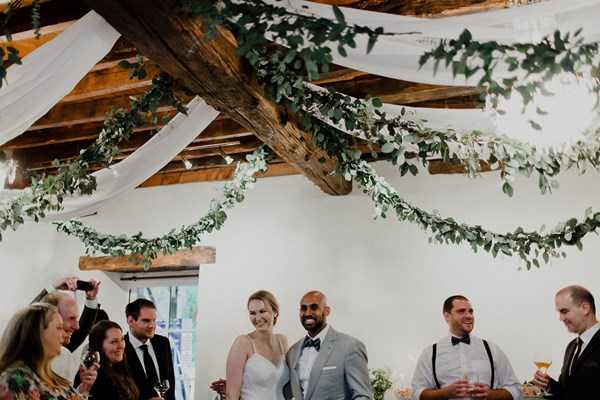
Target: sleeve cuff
(91, 303)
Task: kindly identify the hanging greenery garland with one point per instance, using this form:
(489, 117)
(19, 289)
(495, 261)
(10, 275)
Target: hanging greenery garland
(46, 194)
(118, 245)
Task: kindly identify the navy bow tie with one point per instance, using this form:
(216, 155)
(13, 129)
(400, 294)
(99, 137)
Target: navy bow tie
(308, 342)
(465, 339)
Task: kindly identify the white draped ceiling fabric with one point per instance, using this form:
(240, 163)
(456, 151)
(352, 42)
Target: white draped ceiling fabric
(51, 72)
(398, 56)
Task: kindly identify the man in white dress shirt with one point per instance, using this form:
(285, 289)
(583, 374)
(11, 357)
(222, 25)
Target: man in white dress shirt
(461, 365)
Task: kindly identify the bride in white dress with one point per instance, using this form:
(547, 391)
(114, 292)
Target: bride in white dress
(256, 367)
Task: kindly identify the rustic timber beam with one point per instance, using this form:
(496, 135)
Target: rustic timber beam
(212, 69)
(222, 173)
(181, 259)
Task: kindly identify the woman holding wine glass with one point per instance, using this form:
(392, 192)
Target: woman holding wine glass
(31, 340)
(114, 381)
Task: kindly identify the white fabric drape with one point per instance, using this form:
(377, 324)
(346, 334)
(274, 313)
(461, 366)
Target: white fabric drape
(141, 164)
(398, 56)
(50, 72)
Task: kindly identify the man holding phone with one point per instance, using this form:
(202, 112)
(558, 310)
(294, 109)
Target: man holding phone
(76, 328)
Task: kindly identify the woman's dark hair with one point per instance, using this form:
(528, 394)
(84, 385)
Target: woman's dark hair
(117, 373)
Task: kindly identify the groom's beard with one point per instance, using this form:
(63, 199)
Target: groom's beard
(315, 327)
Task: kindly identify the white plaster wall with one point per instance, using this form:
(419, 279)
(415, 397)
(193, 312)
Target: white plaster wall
(385, 282)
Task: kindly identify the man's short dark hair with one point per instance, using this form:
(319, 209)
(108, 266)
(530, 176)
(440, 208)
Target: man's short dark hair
(448, 302)
(133, 309)
(579, 294)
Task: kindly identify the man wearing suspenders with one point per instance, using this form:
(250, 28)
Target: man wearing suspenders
(461, 365)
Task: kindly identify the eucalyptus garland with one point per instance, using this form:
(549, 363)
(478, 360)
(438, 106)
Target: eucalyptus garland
(73, 179)
(9, 55)
(532, 247)
(532, 64)
(283, 75)
(187, 236)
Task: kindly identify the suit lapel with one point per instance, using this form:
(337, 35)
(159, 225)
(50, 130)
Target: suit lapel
(295, 350)
(324, 354)
(589, 349)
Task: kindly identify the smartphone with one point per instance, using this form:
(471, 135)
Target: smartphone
(84, 285)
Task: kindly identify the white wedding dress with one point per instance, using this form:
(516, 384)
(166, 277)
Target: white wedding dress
(263, 380)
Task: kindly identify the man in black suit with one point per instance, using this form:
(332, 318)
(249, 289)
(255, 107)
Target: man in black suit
(580, 373)
(148, 355)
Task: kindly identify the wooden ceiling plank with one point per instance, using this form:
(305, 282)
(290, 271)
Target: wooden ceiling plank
(224, 173)
(212, 69)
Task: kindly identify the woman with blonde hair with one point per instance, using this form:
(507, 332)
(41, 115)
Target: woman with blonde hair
(256, 367)
(31, 340)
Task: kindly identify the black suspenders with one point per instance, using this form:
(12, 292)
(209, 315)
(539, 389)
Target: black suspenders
(487, 350)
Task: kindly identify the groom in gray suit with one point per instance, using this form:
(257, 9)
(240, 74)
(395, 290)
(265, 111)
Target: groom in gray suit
(326, 364)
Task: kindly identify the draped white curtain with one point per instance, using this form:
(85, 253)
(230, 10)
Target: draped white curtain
(140, 165)
(50, 72)
(398, 56)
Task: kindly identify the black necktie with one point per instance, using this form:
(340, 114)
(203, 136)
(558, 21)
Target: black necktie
(465, 339)
(151, 374)
(575, 354)
(308, 342)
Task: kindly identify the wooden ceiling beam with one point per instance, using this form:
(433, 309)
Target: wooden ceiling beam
(212, 69)
(222, 173)
(220, 128)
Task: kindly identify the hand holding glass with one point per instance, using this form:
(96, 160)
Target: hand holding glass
(89, 358)
(162, 387)
(542, 362)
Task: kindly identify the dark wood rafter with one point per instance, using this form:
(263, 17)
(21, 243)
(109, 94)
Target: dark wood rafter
(77, 119)
(212, 69)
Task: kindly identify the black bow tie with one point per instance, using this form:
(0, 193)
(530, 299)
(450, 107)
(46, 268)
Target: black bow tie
(465, 339)
(308, 342)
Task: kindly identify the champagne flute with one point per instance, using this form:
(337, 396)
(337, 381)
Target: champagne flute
(542, 361)
(161, 387)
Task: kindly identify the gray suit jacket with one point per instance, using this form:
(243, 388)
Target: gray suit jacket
(340, 371)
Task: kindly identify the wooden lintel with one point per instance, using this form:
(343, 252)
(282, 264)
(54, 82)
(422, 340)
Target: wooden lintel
(213, 70)
(193, 257)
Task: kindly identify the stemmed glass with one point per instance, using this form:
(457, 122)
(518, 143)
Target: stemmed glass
(88, 359)
(542, 361)
(162, 387)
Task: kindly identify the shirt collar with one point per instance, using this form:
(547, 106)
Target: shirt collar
(135, 342)
(589, 333)
(322, 334)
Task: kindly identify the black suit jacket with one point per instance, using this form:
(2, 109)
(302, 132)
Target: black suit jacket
(162, 348)
(103, 388)
(584, 380)
(88, 319)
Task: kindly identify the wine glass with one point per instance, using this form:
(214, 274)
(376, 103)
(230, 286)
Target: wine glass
(89, 358)
(161, 387)
(542, 361)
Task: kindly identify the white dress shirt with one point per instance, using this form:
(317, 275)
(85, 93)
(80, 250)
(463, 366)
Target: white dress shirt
(307, 359)
(455, 362)
(588, 335)
(136, 343)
